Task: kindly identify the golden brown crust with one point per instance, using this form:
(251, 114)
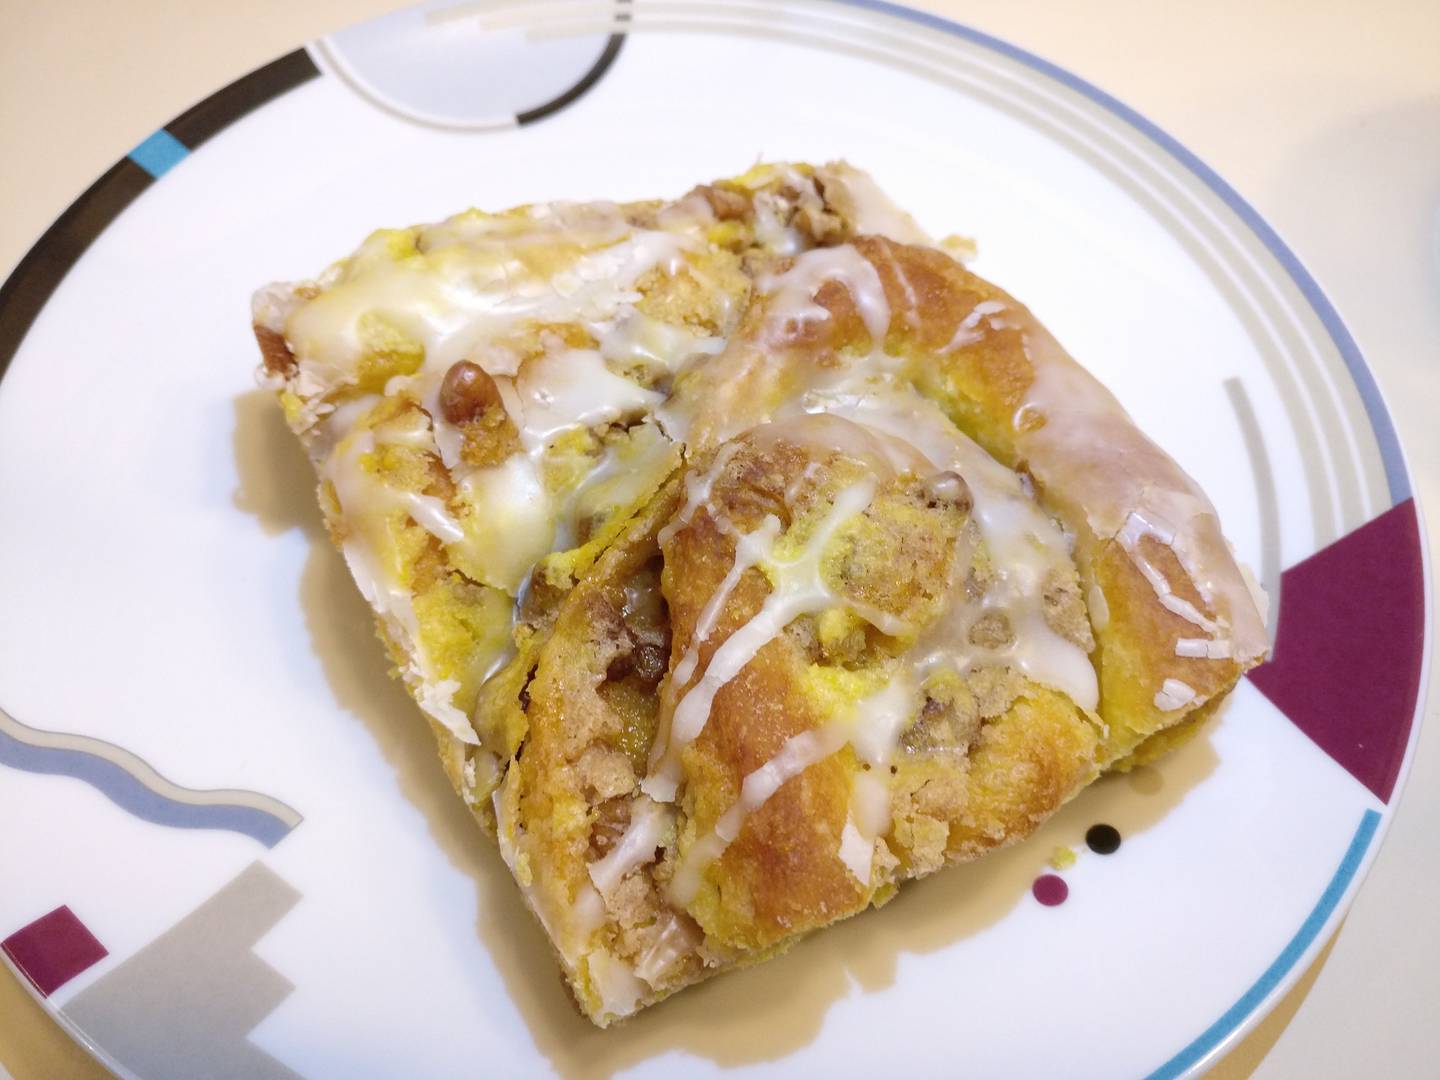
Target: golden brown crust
(782, 875)
(1026, 765)
(275, 354)
(982, 384)
(574, 759)
(1010, 754)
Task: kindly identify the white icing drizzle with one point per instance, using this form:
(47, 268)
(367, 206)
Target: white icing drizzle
(1034, 649)
(796, 755)
(798, 589)
(793, 489)
(1129, 536)
(365, 492)
(969, 332)
(776, 206)
(1025, 544)
(360, 493)
(613, 980)
(410, 429)
(866, 416)
(456, 289)
(572, 388)
(465, 283)
(697, 490)
(912, 299)
(870, 804)
(337, 423)
(465, 290)
(741, 387)
(1012, 524)
(1099, 607)
(475, 287)
(1093, 461)
(750, 550)
(437, 698)
(1206, 648)
(879, 719)
(512, 521)
(795, 290)
(856, 852)
(630, 468)
(587, 911)
(868, 819)
(771, 230)
(431, 515)
(676, 941)
(825, 431)
(633, 337)
(1174, 694)
(649, 822)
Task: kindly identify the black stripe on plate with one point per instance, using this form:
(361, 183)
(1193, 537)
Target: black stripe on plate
(60, 247)
(224, 107)
(591, 77)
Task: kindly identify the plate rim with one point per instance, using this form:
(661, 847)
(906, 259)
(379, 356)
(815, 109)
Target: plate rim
(27, 289)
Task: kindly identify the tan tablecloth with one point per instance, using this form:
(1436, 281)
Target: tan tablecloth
(1324, 114)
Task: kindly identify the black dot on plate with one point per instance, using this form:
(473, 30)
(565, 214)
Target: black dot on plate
(1103, 839)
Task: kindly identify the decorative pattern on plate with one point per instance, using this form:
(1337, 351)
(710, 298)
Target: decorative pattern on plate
(1328, 403)
(53, 949)
(184, 1005)
(1357, 606)
(130, 783)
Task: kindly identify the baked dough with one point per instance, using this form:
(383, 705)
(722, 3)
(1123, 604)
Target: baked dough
(748, 554)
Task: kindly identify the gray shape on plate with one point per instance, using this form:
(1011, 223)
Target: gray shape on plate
(184, 1005)
(1254, 436)
(471, 67)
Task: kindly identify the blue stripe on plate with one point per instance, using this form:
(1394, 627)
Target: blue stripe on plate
(160, 153)
(132, 796)
(1380, 423)
(1237, 1014)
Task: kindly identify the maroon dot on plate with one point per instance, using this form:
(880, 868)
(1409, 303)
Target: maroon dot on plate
(1050, 890)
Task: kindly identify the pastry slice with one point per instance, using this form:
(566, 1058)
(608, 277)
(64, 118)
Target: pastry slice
(477, 399)
(748, 555)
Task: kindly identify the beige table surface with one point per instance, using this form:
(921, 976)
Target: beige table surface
(1325, 115)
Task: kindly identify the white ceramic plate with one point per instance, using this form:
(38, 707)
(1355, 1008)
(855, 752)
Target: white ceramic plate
(228, 849)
